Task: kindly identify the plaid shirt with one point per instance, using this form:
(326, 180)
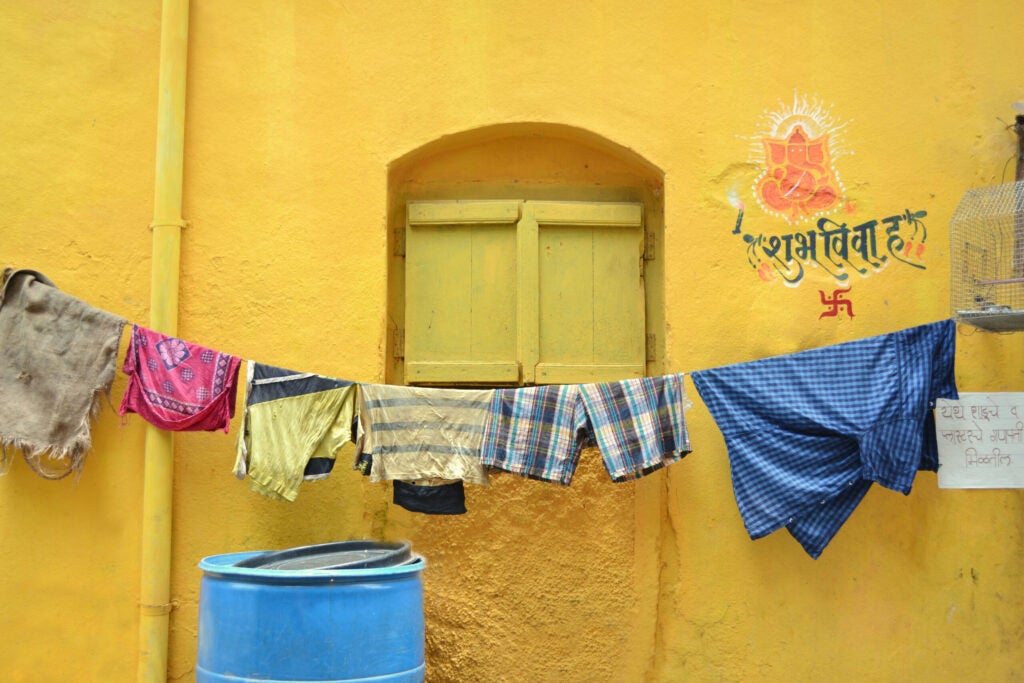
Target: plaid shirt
(809, 432)
(538, 432)
(638, 423)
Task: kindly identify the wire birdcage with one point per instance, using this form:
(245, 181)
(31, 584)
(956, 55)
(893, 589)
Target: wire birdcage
(986, 236)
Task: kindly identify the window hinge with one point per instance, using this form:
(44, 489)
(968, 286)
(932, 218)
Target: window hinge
(650, 242)
(399, 241)
(398, 344)
(652, 347)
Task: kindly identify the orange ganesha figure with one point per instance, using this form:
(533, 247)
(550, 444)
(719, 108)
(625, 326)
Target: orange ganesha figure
(798, 178)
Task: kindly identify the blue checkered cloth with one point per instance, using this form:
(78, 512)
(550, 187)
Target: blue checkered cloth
(539, 432)
(809, 432)
(637, 423)
(536, 432)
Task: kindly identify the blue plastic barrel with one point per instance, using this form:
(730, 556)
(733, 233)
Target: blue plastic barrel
(309, 625)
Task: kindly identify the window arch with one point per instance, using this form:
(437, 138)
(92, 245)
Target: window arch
(524, 254)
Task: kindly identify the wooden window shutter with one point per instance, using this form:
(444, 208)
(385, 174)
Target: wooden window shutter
(591, 292)
(461, 292)
(526, 292)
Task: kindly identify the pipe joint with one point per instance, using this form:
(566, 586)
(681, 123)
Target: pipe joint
(169, 224)
(157, 610)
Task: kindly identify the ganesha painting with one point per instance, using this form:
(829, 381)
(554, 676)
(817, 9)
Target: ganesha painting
(795, 152)
(792, 164)
(798, 179)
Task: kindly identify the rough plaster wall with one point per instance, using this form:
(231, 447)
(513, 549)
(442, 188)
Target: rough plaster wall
(487, 589)
(295, 112)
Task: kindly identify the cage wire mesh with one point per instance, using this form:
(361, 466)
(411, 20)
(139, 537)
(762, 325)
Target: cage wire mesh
(987, 251)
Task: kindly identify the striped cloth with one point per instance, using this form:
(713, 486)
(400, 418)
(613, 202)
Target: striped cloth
(294, 425)
(417, 433)
(808, 433)
(538, 432)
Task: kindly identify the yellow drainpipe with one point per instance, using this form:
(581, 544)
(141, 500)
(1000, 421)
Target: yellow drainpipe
(154, 594)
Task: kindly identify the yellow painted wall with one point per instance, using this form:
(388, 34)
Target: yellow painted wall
(296, 112)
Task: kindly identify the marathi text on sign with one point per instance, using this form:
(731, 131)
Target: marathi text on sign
(981, 441)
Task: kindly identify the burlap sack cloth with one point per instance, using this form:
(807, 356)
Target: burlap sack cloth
(58, 358)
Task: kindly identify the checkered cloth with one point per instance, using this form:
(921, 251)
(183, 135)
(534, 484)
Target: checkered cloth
(638, 423)
(809, 432)
(538, 432)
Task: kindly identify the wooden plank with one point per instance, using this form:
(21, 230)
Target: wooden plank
(592, 310)
(587, 214)
(462, 212)
(528, 296)
(460, 293)
(566, 291)
(438, 293)
(493, 294)
(618, 299)
(582, 373)
(461, 372)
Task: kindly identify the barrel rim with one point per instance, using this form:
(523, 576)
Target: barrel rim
(223, 566)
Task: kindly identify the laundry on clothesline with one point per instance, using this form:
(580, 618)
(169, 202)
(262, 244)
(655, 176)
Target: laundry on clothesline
(539, 432)
(293, 426)
(426, 440)
(416, 433)
(177, 385)
(57, 362)
(809, 432)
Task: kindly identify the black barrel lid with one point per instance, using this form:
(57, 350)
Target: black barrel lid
(340, 555)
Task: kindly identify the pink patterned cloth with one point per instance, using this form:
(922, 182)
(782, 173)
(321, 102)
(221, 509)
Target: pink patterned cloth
(179, 386)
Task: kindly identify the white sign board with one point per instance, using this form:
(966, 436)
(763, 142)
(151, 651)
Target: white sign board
(981, 441)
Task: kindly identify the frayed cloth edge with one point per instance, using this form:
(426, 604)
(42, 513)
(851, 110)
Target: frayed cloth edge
(34, 453)
(74, 455)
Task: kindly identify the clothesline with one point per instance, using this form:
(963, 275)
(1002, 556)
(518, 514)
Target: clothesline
(806, 433)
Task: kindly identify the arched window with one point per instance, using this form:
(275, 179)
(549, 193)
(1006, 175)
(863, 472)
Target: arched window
(524, 255)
